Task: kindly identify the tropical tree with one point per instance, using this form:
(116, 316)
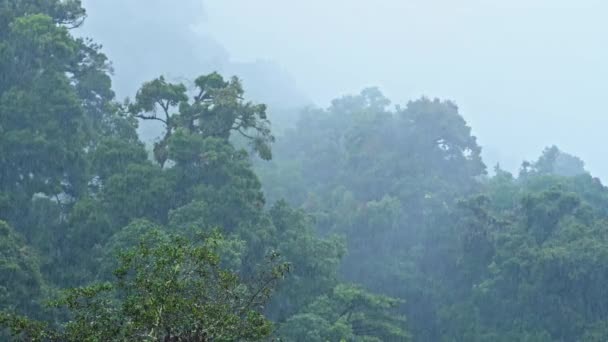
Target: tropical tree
(166, 289)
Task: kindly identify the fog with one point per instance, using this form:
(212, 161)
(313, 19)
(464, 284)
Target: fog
(342, 188)
(524, 74)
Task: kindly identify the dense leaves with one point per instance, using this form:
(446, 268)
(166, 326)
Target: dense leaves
(21, 283)
(371, 223)
(388, 180)
(166, 289)
(215, 111)
(347, 313)
(474, 258)
(78, 185)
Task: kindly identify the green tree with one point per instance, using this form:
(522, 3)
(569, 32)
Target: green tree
(315, 261)
(55, 104)
(555, 162)
(215, 111)
(348, 313)
(389, 181)
(21, 283)
(166, 289)
(530, 264)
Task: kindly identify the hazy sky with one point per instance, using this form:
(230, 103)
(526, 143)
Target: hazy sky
(525, 73)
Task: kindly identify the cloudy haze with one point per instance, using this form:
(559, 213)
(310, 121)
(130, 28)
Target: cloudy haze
(525, 74)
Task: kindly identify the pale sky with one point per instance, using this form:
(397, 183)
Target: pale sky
(525, 73)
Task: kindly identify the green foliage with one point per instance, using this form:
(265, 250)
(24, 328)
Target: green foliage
(314, 261)
(555, 162)
(114, 155)
(348, 313)
(165, 288)
(76, 182)
(64, 12)
(37, 107)
(534, 268)
(21, 283)
(141, 191)
(474, 258)
(55, 102)
(394, 201)
(387, 180)
(215, 111)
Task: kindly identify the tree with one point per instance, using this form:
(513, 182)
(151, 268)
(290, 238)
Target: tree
(42, 138)
(388, 180)
(555, 162)
(21, 282)
(166, 289)
(348, 313)
(68, 13)
(215, 111)
(529, 262)
(315, 261)
(55, 100)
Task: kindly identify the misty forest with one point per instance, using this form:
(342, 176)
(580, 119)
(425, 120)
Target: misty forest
(179, 213)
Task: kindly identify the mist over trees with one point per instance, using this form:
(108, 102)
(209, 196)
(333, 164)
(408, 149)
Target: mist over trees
(170, 42)
(362, 221)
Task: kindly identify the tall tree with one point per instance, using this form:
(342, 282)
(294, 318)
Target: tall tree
(215, 111)
(54, 95)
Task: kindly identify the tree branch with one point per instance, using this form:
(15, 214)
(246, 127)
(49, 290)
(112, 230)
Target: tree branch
(348, 310)
(251, 300)
(165, 107)
(244, 134)
(201, 96)
(149, 117)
